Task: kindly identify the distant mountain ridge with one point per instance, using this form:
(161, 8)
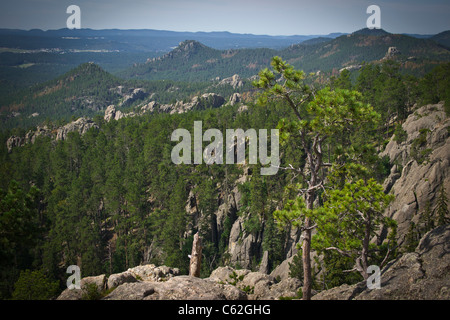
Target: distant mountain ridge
(193, 60)
(143, 39)
(415, 54)
(35, 56)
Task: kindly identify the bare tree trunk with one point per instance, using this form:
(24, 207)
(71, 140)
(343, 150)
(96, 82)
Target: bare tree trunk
(306, 259)
(110, 257)
(365, 250)
(315, 165)
(196, 257)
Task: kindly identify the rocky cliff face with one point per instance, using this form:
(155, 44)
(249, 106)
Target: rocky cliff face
(81, 125)
(136, 94)
(30, 137)
(421, 165)
(420, 275)
(205, 101)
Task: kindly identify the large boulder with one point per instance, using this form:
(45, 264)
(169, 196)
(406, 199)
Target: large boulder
(142, 273)
(287, 288)
(118, 279)
(227, 274)
(177, 288)
(150, 272)
(282, 270)
(77, 294)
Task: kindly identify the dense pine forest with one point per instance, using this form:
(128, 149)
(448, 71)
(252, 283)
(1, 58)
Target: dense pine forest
(112, 198)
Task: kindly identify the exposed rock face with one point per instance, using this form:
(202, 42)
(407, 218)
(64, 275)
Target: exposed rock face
(82, 125)
(224, 274)
(235, 81)
(147, 272)
(259, 286)
(117, 279)
(40, 131)
(144, 273)
(282, 270)
(112, 114)
(264, 267)
(150, 272)
(352, 67)
(136, 94)
(242, 108)
(149, 107)
(391, 53)
(413, 183)
(13, 142)
(420, 275)
(230, 205)
(242, 248)
(235, 98)
(77, 294)
(213, 100)
(207, 100)
(225, 215)
(178, 288)
(148, 282)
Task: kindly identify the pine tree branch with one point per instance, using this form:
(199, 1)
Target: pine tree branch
(343, 252)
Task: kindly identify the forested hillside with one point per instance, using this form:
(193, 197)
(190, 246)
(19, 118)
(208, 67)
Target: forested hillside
(88, 90)
(417, 56)
(193, 61)
(112, 198)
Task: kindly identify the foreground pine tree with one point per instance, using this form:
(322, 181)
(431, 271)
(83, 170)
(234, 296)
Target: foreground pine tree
(317, 118)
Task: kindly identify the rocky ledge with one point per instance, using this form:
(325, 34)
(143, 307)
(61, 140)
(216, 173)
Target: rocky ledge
(148, 282)
(420, 275)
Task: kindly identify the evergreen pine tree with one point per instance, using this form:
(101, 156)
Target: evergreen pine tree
(442, 208)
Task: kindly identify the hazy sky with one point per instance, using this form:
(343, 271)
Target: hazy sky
(274, 17)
